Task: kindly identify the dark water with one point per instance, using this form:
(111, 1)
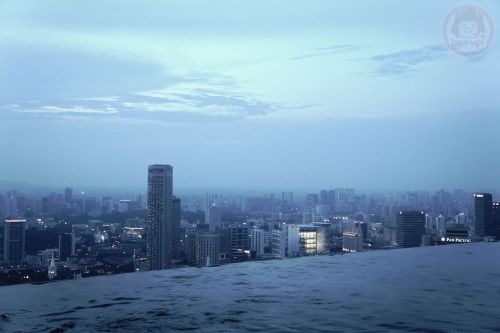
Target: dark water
(434, 289)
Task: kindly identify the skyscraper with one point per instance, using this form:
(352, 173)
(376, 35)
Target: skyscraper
(176, 227)
(496, 219)
(410, 227)
(160, 226)
(483, 208)
(14, 241)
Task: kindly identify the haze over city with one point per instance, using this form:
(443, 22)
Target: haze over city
(249, 166)
(245, 95)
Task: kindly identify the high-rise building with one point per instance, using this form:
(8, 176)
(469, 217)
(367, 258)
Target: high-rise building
(410, 227)
(66, 246)
(278, 243)
(213, 217)
(496, 219)
(160, 229)
(240, 241)
(176, 227)
(68, 194)
(483, 208)
(207, 249)
(190, 247)
(257, 242)
(14, 241)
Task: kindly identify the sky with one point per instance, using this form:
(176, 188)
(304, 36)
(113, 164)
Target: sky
(280, 94)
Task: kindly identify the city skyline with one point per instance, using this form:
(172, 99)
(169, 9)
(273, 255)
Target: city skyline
(276, 101)
(243, 166)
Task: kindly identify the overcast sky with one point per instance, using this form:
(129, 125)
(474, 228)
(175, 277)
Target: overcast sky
(246, 94)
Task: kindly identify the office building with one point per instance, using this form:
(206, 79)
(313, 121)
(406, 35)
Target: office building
(66, 246)
(240, 241)
(278, 243)
(410, 227)
(160, 228)
(14, 241)
(483, 208)
(496, 219)
(305, 240)
(213, 217)
(207, 249)
(257, 243)
(174, 247)
(352, 242)
(190, 247)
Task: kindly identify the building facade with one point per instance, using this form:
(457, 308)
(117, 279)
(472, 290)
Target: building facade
(213, 217)
(257, 243)
(207, 249)
(160, 231)
(14, 241)
(410, 227)
(352, 242)
(483, 209)
(305, 240)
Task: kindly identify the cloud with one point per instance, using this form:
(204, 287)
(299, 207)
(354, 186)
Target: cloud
(215, 101)
(402, 63)
(327, 50)
(77, 109)
(191, 101)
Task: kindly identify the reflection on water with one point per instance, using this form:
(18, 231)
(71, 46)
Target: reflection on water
(434, 289)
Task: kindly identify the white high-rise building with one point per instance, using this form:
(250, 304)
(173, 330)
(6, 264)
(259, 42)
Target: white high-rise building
(160, 226)
(213, 217)
(257, 242)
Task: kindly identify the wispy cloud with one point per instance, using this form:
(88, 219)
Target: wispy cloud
(402, 63)
(188, 101)
(327, 50)
(204, 100)
(77, 109)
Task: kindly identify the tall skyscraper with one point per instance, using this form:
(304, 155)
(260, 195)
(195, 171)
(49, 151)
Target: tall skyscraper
(410, 227)
(14, 241)
(160, 226)
(176, 227)
(483, 208)
(496, 219)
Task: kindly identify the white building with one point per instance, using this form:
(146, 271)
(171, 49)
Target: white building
(278, 243)
(305, 240)
(213, 217)
(257, 242)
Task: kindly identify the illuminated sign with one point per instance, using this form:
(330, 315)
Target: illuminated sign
(15, 221)
(455, 240)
